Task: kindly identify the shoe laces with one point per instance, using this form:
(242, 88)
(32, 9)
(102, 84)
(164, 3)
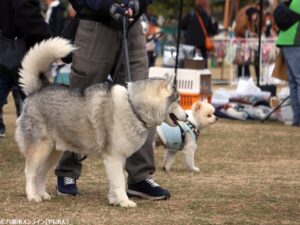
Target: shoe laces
(69, 180)
(152, 182)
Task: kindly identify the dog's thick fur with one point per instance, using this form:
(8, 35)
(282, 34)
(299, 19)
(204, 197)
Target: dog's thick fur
(201, 116)
(109, 121)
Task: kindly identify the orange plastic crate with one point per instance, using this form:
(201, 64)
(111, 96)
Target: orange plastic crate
(187, 100)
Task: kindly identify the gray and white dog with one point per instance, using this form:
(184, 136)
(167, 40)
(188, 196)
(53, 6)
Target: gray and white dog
(111, 122)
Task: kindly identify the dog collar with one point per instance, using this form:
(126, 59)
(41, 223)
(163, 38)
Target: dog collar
(138, 116)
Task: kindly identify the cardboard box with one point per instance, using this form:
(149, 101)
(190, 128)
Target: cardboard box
(194, 64)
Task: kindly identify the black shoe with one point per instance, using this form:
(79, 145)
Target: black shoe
(66, 186)
(148, 189)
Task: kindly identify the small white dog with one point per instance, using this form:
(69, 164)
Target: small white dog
(183, 137)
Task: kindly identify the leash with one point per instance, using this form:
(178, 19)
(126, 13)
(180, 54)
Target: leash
(122, 52)
(124, 37)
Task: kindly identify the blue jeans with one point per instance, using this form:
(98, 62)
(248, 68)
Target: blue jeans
(292, 60)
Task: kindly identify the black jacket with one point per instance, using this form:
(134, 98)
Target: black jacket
(23, 19)
(194, 34)
(89, 12)
(57, 20)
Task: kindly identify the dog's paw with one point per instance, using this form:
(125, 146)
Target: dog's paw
(111, 200)
(45, 196)
(195, 169)
(123, 203)
(34, 198)
(127, 203)
(166, 168)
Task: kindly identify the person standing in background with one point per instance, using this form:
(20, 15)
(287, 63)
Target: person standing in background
(19, 19)
(55, 16)
(289, 42)
(247, 26)
(247, 21)
(194, 34)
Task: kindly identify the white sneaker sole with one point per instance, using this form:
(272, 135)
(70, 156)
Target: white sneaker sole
(143, 195)
(63, 194)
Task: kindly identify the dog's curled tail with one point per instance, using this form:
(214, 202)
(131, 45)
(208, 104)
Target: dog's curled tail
(38, 60)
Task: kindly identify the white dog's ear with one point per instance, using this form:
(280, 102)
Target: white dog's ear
(170, 80)
(196, 106)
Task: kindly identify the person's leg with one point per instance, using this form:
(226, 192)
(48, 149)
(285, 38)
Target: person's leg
(141, 165)
(2, 126)
(5, 88)
(16, 92)
(243, 71)
(239, 71)
(204, 55)
(247, 71)
(92, 62)
(292, 57)
(69, 166)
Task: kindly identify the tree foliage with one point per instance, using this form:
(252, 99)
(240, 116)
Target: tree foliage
(169, 8)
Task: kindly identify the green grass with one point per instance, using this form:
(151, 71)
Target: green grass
(249, 174)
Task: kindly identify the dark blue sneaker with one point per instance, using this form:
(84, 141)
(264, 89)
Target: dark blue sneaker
(148, 189)
(66, 186)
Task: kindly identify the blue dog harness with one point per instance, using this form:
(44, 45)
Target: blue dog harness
(174, 137)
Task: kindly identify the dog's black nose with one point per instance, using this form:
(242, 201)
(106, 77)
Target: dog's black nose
(186, 116)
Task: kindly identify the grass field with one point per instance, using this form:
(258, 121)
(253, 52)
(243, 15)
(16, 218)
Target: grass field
(250, 174)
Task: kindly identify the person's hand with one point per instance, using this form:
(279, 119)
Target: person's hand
(134, 6)
(116, 11)
(127, 8)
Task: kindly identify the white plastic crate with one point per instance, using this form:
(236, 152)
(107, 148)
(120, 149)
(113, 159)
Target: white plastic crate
(193, 85)
(189, 81)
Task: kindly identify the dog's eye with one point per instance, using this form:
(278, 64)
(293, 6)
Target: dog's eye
(209, 116)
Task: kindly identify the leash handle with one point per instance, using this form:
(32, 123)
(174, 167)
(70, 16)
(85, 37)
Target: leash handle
(125, 47)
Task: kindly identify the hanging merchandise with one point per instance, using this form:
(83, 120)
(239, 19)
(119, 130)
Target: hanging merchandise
(243, 51)
(246, 51)
(220, 52)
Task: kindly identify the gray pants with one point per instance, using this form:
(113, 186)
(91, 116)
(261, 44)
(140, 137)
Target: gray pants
(92, 62)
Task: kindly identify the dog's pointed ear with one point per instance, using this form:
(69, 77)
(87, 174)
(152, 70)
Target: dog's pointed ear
(170, 80)
(196, 106)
